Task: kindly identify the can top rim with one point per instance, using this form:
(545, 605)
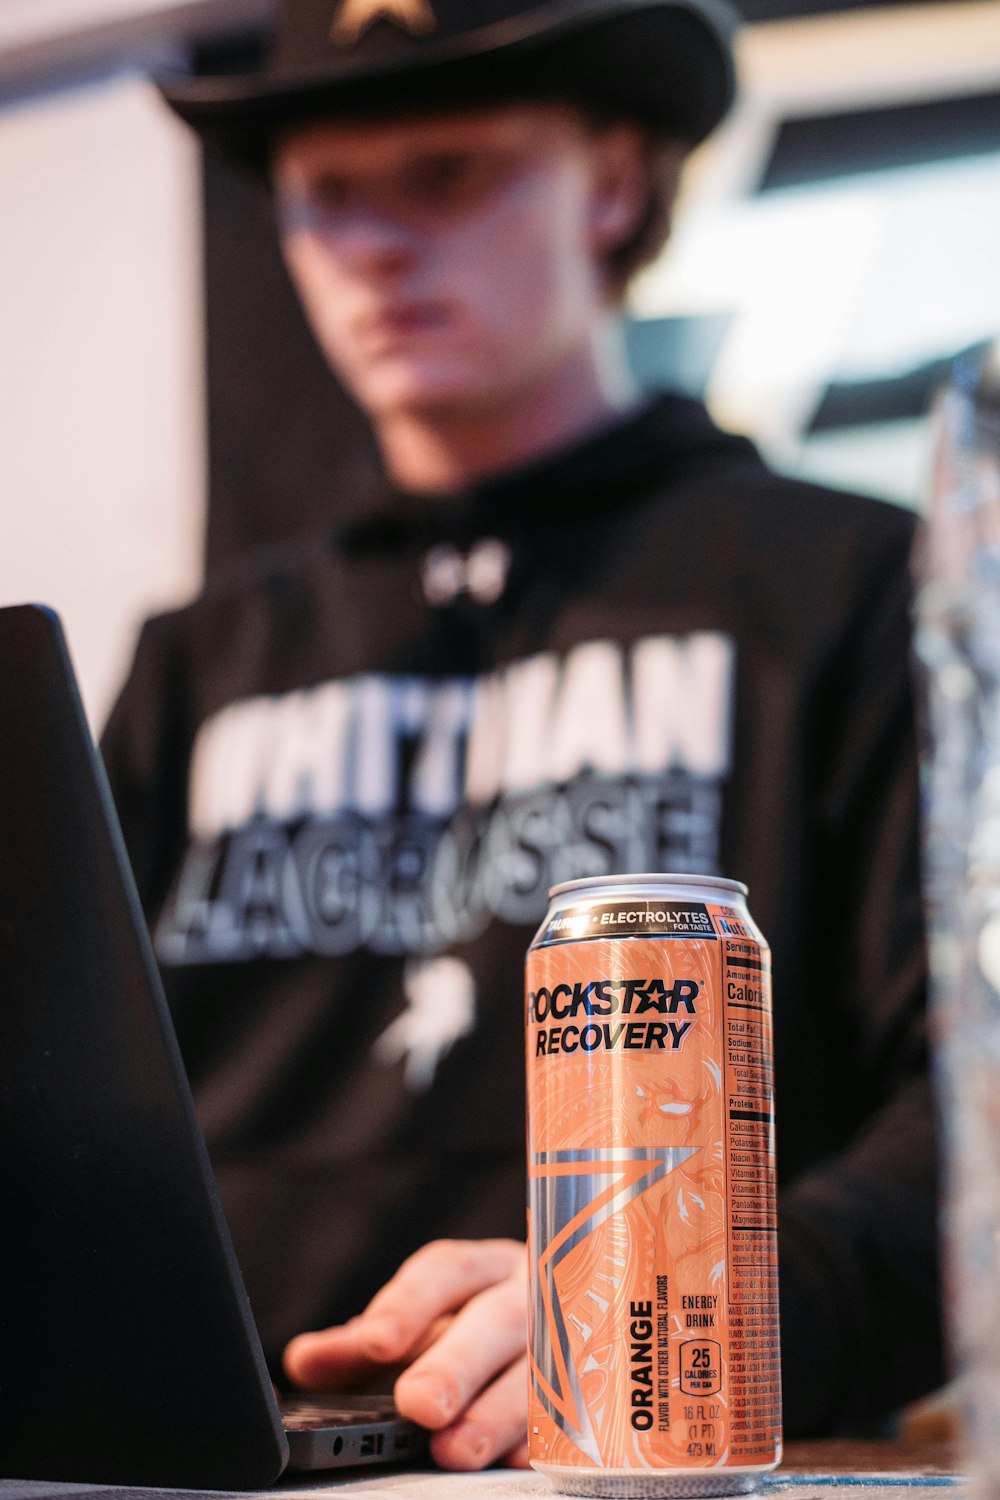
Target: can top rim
(719, 882)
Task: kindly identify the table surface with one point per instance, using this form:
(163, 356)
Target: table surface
(836, 1470)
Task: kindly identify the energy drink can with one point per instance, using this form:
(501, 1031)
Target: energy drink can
(652, 1230)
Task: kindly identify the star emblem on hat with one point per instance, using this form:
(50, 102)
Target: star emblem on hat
(354, 17)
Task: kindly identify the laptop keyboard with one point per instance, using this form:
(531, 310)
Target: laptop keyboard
(304, 1412)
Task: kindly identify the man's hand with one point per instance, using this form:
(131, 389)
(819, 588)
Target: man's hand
(455, 1315)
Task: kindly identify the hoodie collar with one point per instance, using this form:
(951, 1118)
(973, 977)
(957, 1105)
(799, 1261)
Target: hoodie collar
(663, 441)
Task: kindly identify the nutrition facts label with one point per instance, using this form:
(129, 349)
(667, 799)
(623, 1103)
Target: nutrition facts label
(754, 1370)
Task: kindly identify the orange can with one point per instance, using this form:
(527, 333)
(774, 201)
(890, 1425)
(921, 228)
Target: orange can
(651, 1217)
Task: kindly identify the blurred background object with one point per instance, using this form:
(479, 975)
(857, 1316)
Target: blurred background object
(164, 409)
(958, 641)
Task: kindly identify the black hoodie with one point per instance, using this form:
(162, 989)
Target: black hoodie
(349, 772)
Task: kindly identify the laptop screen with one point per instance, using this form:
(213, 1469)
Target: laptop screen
(127, 1348)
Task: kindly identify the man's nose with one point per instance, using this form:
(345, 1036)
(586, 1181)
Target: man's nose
(370, 239)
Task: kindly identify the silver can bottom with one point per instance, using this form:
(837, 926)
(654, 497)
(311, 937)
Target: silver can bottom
(649, 1484)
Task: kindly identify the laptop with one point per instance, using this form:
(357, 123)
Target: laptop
(128, 1353)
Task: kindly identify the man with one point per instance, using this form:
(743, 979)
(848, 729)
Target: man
(581, 631)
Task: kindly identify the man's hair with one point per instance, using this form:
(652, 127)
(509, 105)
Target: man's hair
(664, 162)
(665, 159)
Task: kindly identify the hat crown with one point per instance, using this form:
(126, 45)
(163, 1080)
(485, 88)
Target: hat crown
(353, 17)
(312, 35)
(665, 63)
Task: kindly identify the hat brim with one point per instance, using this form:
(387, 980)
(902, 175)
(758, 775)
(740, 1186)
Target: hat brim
(666, 63)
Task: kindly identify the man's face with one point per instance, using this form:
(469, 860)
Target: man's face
(452, 262)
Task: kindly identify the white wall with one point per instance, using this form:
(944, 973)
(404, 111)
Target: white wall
(101, 387)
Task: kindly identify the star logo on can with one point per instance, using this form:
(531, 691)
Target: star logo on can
(354, 17)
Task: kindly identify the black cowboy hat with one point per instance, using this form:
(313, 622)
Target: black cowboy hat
(666, 63)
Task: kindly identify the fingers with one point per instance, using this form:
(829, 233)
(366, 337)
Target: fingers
(518, 1458)
(439, 1279)
(455, 1315)
(494, 1425)
(328, 1361)
(479, 1344)
(338, 1358)
(407, 1314)
(470, 1386)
